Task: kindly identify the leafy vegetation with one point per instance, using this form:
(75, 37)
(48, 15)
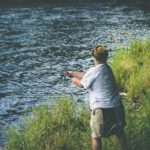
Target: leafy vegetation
(65, 126)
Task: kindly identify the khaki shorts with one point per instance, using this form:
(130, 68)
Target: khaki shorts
(106, 122)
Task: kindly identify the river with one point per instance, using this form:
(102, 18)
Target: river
(39, 43)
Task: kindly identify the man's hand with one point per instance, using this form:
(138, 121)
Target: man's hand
(75, 77)
(77, 82)
(69, 74)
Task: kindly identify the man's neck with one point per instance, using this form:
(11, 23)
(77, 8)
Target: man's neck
(97, 63)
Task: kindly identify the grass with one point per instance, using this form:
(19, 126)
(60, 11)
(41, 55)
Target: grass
(130, 66)
(138, 126)
(63, 126)
(59, 128)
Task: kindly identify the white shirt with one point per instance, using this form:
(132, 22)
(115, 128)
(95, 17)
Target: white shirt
(100, 83)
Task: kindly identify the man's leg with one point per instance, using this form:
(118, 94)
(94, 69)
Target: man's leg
(96, 144)
(123, 142)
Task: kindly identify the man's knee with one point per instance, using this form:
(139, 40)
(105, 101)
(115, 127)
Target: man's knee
(96, 140)
(96, 143)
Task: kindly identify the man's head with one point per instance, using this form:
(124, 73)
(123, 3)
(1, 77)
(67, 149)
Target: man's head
(100, 53)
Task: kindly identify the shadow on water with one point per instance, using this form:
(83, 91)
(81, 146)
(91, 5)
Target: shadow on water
(37, 44)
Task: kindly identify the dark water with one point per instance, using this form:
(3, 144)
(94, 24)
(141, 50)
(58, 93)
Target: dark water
(38, 43)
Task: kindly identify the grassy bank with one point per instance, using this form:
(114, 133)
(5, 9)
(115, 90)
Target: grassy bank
(64, 126)
(131, 68)
(61, 127)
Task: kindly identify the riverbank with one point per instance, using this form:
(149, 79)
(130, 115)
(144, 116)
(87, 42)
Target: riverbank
(65, 126)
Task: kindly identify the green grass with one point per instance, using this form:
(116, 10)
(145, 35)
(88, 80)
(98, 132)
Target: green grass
(63, 126)
(138, 124)
(131, 68)
(60, 127)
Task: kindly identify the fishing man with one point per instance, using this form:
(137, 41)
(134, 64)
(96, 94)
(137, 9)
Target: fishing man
(107, 110)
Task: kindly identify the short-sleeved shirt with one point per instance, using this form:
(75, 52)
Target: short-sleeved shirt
(101, 85)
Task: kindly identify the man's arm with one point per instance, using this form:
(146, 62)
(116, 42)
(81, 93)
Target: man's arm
(76, 74)
(77, 82)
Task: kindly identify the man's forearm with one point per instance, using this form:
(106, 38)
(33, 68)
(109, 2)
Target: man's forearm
(77, 82)
(77, 74)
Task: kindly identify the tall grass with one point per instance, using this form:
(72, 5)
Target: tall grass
(131, 68)
(138, 125)
(63, 126)
(60, 127)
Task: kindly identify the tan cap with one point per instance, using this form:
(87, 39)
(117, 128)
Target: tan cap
(100, 52)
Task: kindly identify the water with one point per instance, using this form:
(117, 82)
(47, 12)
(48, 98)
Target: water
(37, 44)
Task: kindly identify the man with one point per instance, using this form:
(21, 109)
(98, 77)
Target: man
(107, 111)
